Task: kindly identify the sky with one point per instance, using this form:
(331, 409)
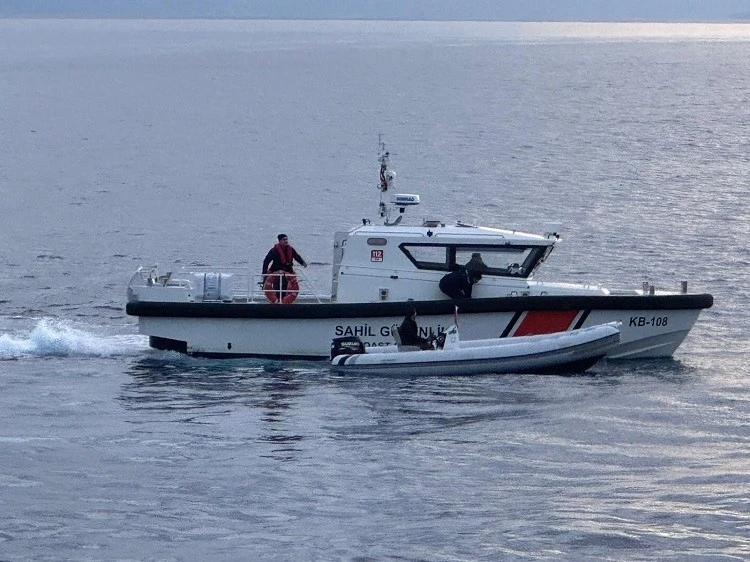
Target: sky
(497, 10)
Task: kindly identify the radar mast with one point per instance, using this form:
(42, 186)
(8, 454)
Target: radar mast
(390, 201)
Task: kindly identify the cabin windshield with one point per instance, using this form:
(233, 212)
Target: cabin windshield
(500, 261)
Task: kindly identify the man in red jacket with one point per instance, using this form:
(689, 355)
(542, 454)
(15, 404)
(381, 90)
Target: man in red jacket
(281, 258)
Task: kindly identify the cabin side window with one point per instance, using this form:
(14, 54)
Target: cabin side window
(424, 256)
(500, 261)
(506, 261)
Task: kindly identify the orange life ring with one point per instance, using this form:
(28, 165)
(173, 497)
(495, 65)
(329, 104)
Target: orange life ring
(271, 287)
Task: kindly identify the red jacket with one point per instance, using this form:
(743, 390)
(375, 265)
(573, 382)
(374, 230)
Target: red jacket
(280, 258)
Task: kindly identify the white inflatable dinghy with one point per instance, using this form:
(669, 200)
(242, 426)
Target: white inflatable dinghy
(562, 352)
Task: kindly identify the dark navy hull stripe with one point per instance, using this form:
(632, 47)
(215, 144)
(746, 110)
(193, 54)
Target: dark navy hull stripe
(511, 324)
(582, 319)
(432, 307)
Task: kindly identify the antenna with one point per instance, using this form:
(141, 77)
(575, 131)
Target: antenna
(383, 157)
(387, 180)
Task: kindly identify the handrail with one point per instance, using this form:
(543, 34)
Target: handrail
(305, 286)
(246, 286)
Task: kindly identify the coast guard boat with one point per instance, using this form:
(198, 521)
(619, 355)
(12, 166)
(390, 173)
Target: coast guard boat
(380, 272)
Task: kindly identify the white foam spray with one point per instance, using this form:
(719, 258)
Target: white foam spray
(60, 338)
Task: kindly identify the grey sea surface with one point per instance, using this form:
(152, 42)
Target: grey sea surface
(129, 143)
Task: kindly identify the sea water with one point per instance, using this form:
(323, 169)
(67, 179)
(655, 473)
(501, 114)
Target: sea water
(130, 143)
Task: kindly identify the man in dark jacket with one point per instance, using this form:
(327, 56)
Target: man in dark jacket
(476, 263)
(458, 284)
(281, 256)
(409, 332)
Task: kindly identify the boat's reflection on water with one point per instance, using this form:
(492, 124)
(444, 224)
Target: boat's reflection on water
(176, 388)
(287, 404)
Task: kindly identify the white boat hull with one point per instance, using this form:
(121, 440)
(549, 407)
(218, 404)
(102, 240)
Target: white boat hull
(560, 353)
(294, 331)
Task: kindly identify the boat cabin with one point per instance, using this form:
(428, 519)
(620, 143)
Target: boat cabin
(395, 263)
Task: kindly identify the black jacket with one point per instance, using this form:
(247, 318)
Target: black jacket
(409, 332)
(457, 284)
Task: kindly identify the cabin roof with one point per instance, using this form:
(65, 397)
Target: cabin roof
(459, 232)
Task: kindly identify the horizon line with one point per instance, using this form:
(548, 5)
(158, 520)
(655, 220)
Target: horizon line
(739, 19)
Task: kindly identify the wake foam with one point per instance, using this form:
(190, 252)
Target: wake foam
(55, 338)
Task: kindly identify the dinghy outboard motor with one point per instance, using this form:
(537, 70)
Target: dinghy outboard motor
(347, 345)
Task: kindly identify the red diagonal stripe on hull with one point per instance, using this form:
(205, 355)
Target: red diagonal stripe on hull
(545, 322)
